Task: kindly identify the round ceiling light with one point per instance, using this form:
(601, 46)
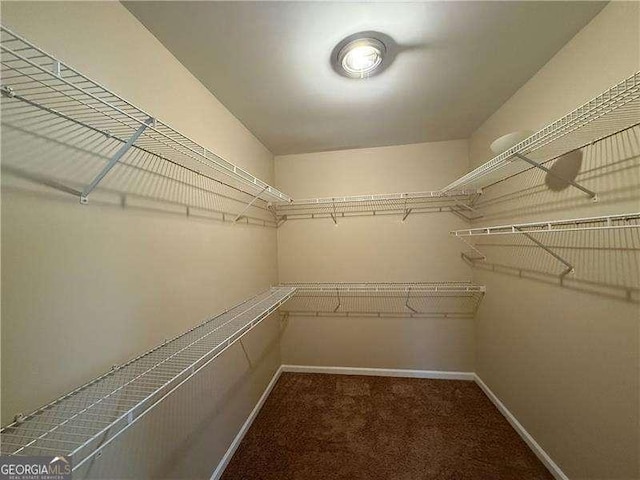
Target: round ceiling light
(361, 57)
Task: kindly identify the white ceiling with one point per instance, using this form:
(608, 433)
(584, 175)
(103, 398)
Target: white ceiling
(269, 63)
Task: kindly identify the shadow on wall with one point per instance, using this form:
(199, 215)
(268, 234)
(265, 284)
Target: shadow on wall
(186, 427)
(610, 167)
(42, 149)
(606, 262)
(174, 465)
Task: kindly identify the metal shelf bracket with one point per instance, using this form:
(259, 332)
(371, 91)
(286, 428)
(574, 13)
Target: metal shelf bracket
(593, 195)
(566, 271)
(407, 210)
(253, 200)
(118, 155)
(339, 301)
(406, 302)
(481, 256)
(334, 215)
(246, 354)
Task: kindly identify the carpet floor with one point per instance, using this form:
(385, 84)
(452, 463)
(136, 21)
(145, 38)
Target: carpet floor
(316, 426)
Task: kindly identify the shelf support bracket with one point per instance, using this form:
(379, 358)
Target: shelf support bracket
(406, 302)
(464, 206)
(334, 216)
(279, 220)
(248, 205)
(407, 211)
(284, 320)
(118, 155)
(569, 266)
(593, 195)
(475, 197)
(246, 354)
(481, 256)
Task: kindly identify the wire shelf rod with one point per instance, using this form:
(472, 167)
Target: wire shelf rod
(605, 222)
(379, 197)
(414, 299)
(417, 287)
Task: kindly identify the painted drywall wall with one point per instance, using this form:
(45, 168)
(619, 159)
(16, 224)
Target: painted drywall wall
(564, 358)
(374, 249)
(86, 287)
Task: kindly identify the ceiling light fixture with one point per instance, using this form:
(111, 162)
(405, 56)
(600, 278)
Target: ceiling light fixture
(361, 57)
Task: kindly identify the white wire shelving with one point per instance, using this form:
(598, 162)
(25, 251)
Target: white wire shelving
(82, 422)
(35, 82)
(459, 202)
(535, 231)
(421, 299)
(613, 111)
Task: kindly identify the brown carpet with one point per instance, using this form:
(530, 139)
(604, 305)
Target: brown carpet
(316, 426)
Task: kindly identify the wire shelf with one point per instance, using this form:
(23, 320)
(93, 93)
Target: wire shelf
(432, 299)
(47, 149)
(537, 235)
(84, 421)
(378, 204)
(605, 222)
(40, 81)
(613, 111)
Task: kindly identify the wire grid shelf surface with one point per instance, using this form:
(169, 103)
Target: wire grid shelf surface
(420, 299)
(605, 222)
(82, 422)
(599, 255)
(36, 78)
(43, 147)
(378, 203)
(613, 111)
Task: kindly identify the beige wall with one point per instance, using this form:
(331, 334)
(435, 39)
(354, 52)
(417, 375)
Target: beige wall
(564, 359)
(370, 249)
(86, 287)
(107, 283)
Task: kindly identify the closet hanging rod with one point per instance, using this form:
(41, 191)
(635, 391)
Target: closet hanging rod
(30, 73)
(81, 423)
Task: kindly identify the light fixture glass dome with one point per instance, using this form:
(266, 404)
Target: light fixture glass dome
(362, 57)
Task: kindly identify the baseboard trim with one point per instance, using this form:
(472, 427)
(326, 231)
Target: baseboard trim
(555, 470)
(380, 372)
(217, 473)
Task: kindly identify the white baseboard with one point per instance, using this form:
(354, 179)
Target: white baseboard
(380, 372)
(388, 372)
(217, 473)
(517, 426)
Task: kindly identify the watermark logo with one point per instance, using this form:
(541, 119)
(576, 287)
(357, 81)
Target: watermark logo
(35, 468)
